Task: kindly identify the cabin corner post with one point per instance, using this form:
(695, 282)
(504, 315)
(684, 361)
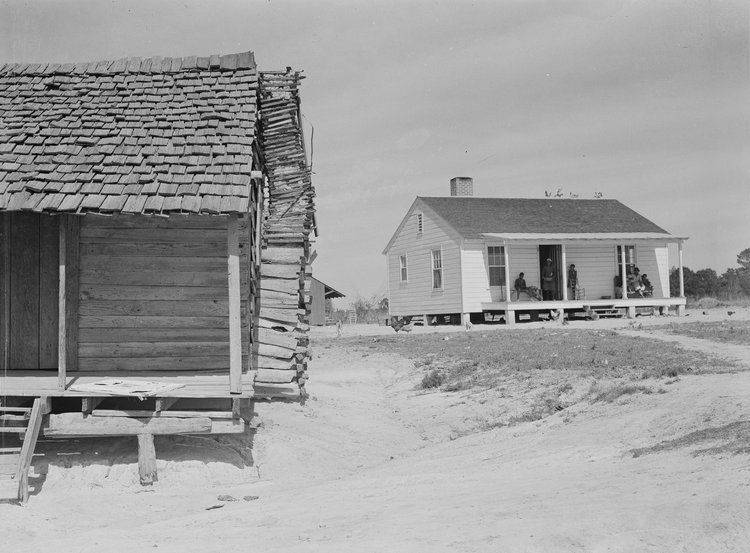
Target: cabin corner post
(235, 320)
(68, 299)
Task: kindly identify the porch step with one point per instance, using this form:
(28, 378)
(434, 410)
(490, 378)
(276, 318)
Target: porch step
(608, 312)
(14, 461)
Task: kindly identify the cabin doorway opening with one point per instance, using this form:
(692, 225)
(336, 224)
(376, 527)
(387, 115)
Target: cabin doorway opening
(29, 282)
(553, 252)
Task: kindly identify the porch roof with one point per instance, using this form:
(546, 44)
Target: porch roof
(577, 236)
(154, 136)
(472, 217)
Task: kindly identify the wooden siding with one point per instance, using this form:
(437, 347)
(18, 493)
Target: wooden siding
(653, 260)
(317, 302)
(522, 258)
(475, 281)
(29, 288)
(153, 293)
(416, 296)
(596, 267)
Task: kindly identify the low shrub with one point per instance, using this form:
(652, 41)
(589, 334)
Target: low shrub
(432, 379)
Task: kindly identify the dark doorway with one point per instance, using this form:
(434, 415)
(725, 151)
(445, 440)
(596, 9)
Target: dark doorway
(29, 282)
(553, 252)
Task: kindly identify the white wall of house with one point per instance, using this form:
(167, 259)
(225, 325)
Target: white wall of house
(416, 295)
(653, 260)
(523, 258)
(596, 266)
(475, 279)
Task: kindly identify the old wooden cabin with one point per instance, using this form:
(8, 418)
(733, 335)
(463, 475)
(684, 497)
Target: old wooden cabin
(137, 200)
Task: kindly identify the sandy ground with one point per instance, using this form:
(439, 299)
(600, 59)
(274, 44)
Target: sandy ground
(372, 464)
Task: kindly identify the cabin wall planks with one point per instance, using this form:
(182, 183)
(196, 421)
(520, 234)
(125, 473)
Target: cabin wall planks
(161, 306)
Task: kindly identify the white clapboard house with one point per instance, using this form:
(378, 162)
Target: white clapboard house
(456, 258)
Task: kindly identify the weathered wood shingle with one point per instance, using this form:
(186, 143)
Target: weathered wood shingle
(132, 135)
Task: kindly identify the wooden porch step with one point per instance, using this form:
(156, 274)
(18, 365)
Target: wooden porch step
(15, 462)
(12, 430)
(20, 418)
(15, 409)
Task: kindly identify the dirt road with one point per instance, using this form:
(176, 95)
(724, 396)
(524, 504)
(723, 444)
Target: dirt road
(372, 464)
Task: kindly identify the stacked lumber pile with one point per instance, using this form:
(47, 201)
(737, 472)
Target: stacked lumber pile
(283, 343)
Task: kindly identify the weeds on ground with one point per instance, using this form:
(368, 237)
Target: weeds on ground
(733, 438)
(538, 372)
(727, 331)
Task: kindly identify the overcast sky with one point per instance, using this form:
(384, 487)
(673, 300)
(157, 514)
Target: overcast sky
(646, 102)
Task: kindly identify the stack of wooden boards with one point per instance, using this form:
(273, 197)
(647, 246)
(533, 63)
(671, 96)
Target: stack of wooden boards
(283, 343)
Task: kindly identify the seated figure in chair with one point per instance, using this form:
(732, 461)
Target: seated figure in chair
(520, 285)
(648, 289)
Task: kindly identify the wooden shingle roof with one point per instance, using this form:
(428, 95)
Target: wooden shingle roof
(472, 217)
(156, 135)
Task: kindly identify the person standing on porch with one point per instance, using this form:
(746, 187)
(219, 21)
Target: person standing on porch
(548, 281)
(572, 280)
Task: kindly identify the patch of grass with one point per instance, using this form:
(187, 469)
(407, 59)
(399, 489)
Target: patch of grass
(537, 372)
(488, 360)
(432, 379)
(610, 394)
(727, 332)
(733, 438)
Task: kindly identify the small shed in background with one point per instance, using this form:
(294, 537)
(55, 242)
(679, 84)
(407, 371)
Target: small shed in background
(320, 294)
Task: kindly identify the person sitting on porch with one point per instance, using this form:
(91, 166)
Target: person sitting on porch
(520, 285)
(634, 282)
(548, 280)
(572, 280)
(648, 289)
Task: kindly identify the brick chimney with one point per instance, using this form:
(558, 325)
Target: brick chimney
(462, 186)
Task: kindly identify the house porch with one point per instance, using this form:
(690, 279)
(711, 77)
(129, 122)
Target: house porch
(628, 305)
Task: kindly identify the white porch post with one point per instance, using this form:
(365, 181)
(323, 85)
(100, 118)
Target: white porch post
(506, 258)
(564, 273)
(681, 308)
(682, 276)
(510, 314)
(624, 272)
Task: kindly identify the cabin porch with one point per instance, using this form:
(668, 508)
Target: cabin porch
(510, 311)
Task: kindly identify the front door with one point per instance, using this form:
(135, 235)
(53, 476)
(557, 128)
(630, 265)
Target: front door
(29, 284)
(553, 252)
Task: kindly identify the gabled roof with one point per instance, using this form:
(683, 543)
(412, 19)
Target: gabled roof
(536, 219)
(472, 217)
(328, 291)
(158, 135)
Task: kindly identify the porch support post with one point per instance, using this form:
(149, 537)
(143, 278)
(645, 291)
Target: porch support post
(564, 272)
(682, 276)
(67, 338)
(681, 308)
(506, 256)
(624, 272)
(235, 322)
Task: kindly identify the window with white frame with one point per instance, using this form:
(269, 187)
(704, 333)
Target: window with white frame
(419, 223)
(496, 265)
(437, 269)
(630, 261)
(402, 268)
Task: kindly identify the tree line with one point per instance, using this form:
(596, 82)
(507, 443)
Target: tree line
(734, 283)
